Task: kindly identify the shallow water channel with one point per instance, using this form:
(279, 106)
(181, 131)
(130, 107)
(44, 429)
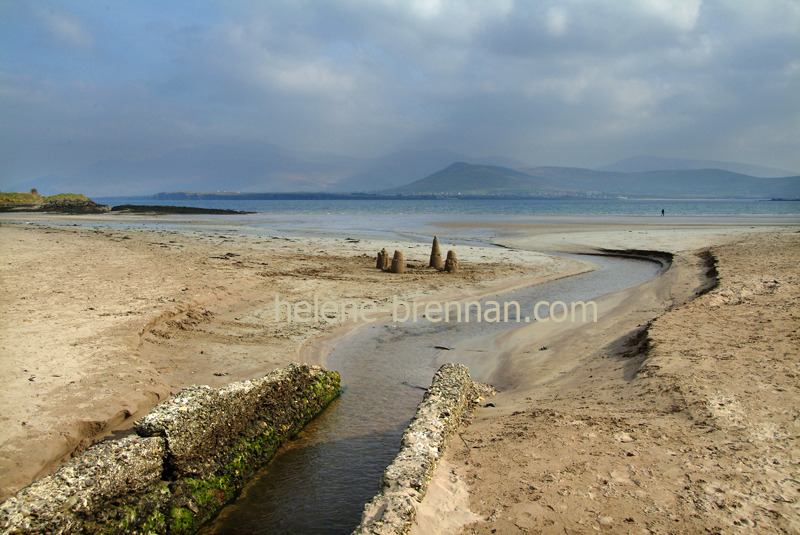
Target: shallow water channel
(321, 479)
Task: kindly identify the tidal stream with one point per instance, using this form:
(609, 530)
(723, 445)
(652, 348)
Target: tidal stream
(320, 480)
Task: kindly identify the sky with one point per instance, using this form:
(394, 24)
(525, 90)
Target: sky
(574, 82)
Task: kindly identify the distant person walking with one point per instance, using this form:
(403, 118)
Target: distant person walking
(662, 212)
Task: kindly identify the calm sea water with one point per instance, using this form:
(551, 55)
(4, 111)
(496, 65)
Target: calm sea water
(489, 206)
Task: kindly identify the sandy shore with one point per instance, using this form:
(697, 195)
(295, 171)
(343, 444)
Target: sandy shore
(685, 425)
(98, 324)
(697, 433)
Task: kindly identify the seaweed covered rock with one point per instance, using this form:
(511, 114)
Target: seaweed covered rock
(194, 453)
(74, 206)
(114, 484)
(203, 426)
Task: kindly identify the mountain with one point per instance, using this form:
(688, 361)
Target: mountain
(398, 168)
(643, 164)
(468, 179)
(465, 179)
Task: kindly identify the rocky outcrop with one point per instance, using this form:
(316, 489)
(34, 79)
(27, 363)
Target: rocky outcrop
(167, 209)
(74, 206)
(192, 455)
(405, 481)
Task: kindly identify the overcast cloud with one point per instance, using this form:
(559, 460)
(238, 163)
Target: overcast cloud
(573, 82)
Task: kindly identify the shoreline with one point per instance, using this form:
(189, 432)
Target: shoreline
(225, 319)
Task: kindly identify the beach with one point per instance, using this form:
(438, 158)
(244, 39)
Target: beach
(100, 322)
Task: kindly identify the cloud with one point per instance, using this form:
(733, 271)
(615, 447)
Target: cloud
(64, 27)
(557, 21)
(568, 82)
(682, 14)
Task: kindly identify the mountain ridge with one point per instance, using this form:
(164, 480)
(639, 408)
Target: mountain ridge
(265, 167)
(647, 163)
(548, 181)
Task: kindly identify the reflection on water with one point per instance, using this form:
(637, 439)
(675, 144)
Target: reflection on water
(320, 482)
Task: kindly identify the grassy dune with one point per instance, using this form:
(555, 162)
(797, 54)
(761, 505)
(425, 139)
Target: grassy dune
(34, 198)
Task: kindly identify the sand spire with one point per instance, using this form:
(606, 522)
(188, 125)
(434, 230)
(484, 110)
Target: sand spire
(436, 255)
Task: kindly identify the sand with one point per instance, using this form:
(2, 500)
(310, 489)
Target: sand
(98, 324)
(689, 426)
(694, 431)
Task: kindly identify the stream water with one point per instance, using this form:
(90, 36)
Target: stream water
(322, 478)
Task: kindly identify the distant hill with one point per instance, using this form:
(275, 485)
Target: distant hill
(398, 168)
(467, 179)
(643, 164)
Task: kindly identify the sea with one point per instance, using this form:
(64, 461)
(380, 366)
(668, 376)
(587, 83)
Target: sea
(483, 206)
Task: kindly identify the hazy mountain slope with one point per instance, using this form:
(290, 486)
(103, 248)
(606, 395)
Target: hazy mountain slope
(463, 178)
(643, 164)
(700, 183)
(402, 167)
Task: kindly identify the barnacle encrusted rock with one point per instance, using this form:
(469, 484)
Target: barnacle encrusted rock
(405, 481)
(193, 454)
(89, 490)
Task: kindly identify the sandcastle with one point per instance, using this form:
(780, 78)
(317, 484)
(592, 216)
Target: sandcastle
(451, 264)
(436, 255)
(383, 260)
(398, 263)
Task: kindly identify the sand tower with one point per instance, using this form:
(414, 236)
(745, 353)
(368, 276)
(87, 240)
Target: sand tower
(451, 264)
(436, 255)
(398, 263)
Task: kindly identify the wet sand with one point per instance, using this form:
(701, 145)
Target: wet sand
(98, 324)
